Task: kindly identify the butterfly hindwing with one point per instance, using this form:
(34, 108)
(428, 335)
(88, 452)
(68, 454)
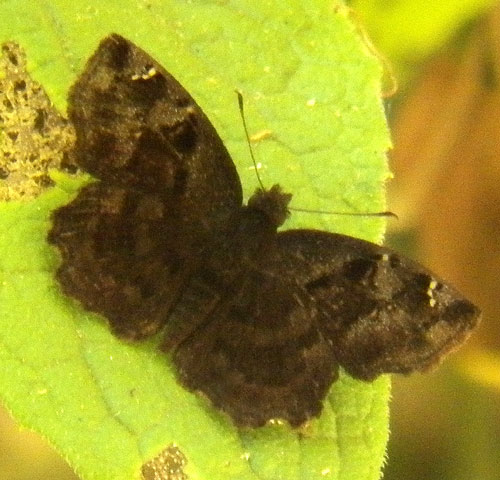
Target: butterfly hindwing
(260, 353)
(118, 259)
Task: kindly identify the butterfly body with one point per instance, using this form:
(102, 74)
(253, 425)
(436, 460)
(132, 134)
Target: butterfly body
(258, 320)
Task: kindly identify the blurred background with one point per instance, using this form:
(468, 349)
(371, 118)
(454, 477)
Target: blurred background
(445, 122)
(444, 58)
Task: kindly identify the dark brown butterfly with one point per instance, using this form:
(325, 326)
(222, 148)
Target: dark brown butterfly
(258, 321)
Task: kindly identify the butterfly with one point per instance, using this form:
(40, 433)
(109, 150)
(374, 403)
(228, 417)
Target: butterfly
(258, 321)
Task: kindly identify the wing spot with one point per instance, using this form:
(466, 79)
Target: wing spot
(422, 281)
(183, 135)
(321, 283)
(118, 53)
(360, 269)
(394, 260)
(433, 286)
(147, 73)
(182, 102)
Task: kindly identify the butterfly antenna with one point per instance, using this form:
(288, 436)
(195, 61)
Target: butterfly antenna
(354, 214)
(242, 113)
(368, 214)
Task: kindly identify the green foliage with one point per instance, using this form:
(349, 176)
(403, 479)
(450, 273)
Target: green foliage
(407, 31)
(108, 406)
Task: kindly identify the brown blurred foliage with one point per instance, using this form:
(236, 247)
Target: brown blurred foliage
(26, 456)
(446, 192)
(446, 161)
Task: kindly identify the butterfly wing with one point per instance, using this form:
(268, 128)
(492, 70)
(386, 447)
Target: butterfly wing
(310, 302)
(166, 182)
(382, 313)
(137, 127)
(260, 353)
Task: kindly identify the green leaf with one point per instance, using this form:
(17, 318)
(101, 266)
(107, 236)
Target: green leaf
(108, 406)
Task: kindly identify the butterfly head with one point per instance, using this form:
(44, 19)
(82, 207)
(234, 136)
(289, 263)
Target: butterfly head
(273, 203)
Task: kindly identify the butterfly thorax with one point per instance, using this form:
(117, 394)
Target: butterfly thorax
(232, 255)
(251, 234)
(273, 203)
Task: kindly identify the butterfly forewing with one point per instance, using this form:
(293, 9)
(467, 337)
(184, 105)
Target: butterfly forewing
(162, 169)
(383, 313)
(138, 127)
